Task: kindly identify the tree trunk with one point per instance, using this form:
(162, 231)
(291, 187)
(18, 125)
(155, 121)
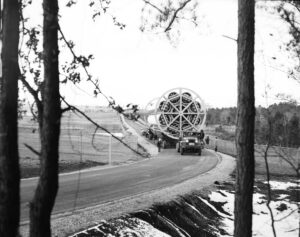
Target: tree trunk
(45, 194)
(9, 156)
(245, 120)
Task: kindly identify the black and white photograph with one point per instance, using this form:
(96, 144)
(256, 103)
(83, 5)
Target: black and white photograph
(149, 118)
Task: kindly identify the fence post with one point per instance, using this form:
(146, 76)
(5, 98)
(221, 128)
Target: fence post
(80, 146)
(109, 149)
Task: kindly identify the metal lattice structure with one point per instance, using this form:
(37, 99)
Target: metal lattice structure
(179, 111)
(150, 109)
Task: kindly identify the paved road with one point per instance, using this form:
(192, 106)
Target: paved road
(107, 184)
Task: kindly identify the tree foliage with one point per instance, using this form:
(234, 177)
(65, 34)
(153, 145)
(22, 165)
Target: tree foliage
(283, 117)
(222, 116)
(290, 12)
(168, 13)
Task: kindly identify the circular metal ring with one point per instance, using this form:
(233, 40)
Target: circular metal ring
(180, 110)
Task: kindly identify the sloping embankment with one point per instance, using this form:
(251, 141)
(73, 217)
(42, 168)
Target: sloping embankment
(198, 214)
(151, 149)
(191, 215)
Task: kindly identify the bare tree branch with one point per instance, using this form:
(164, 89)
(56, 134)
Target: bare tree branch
(93, 139)
(292, 22)
(154, 6)
(65, 110)
(32, 91)
(228, 37)
(32, 111)
(73, 108)
(268, 177)
(32, 149)
(175, 15)
(190, 20)
(285, 157)
(282, 218)
(89, 77)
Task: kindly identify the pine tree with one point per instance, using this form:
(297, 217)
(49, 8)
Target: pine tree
(9, 157)
(245, 121)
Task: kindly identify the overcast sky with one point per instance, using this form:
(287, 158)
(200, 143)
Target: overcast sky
(135, 67)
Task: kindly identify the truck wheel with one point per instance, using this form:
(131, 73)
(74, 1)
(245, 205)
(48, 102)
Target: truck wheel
(200, 151)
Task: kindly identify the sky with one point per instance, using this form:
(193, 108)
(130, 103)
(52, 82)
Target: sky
(135, 67)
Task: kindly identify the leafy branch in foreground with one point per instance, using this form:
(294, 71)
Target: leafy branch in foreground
(31, 56)
(100, 7)
(75, 109)
(84, 62)
(289, 11)
(32, 71)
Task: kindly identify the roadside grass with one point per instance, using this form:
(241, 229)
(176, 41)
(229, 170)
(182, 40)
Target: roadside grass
(78, 148)
(30, 170)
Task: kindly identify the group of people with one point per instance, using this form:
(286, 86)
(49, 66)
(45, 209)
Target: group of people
(150, 134)
(201, 137)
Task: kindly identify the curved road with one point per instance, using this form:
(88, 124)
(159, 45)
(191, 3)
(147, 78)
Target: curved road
(106, 184)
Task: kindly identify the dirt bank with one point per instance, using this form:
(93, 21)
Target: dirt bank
(201, 214)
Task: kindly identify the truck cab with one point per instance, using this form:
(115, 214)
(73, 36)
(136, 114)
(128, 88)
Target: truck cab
(190, 143)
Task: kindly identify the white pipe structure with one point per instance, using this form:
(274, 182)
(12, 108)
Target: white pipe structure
(104, 134)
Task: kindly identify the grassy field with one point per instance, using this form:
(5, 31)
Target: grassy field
(78, 149)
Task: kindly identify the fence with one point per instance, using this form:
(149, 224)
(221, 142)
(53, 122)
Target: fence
(78, 145)
(282, 160)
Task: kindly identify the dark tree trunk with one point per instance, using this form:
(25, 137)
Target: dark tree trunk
(245, 120)
(44, 198)
(9, 156)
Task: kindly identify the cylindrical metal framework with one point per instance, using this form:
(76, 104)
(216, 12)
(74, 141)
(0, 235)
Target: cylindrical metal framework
(150, 108)
(180, 110)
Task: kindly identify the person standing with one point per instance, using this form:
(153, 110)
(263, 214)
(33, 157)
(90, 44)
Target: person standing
(159, 143)
(216, 144)
(207, 140)
(201, 135)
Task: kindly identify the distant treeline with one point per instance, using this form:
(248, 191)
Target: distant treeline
(280, 122)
